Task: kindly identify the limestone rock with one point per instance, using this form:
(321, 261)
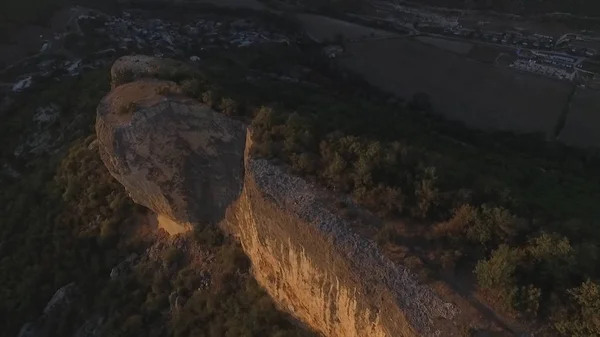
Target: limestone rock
(173, 154)
(130, 68)
(192, 165)
(312, 264)
(61, 300)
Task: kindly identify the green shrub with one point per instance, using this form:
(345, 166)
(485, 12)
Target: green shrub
(497, 273)
(463, 218)
(527, 300)
(211, 98)
(492, 225)
(229, 106)
(305, 163)
(426, 193)
(553, 260)
(192, 87)
(584, 320)
(263, 122)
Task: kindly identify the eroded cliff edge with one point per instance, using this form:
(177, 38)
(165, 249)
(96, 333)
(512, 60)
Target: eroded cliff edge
(158, 144)
(309, 260)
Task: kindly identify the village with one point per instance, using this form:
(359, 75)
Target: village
(572, 56)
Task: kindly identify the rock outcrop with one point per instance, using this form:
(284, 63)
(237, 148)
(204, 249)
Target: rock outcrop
(311, 263)
(62, 306)
(177, 157)
(191, 165)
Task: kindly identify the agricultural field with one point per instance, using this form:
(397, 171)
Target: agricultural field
(458, 47)
(481, 96)
(252, 4)
(323, 28)
(583, 120)
(580, 7)
(489, 54)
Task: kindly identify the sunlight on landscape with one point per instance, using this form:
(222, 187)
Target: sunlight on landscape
(296, 168)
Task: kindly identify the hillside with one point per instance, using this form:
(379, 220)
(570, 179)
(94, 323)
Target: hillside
(498, 224)
(455, 200)
(78, 258)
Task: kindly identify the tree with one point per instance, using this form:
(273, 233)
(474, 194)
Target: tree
(498, 273)
(426, 192)
(211, 98)
(553, 259)
(584, 320)
(463, 218)
(229, 106)
(492, 225)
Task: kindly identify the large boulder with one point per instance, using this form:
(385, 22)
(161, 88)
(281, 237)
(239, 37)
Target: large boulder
(173, 154)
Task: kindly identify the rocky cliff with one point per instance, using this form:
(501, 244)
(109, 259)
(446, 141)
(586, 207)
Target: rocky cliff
(193, 165)
(173, 155)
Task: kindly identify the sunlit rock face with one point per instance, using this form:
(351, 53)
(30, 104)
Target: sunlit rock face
(192, 165)
(314, 266)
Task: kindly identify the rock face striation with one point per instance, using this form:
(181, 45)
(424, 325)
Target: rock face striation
(191, 165)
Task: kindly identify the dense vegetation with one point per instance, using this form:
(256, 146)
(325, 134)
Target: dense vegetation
(517, 211)
(65, 219)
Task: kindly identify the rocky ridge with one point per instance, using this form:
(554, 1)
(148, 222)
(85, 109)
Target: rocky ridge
(297, 196)
(193, 166)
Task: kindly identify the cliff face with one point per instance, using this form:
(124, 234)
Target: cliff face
(310, 262)
(303, 254)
